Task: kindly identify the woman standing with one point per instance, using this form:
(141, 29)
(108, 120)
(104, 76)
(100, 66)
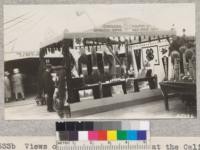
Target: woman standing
(7, 87)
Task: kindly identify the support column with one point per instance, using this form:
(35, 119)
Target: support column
(126, 56)
(72, 95)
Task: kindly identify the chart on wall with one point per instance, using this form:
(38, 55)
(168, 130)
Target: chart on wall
(150, 54)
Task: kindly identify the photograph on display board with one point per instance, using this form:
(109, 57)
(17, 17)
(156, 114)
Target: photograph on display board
(151, 55)
(70, 61)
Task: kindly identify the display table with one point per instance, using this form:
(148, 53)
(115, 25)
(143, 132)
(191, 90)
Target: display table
(151, 80)
(100, 90)
(181, 88)
(107, 87)
(95, 89)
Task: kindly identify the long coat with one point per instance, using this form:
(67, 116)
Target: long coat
(7, 87)
(17, 82)
(48, 83)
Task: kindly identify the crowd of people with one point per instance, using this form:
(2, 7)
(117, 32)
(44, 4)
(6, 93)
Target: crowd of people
(51, 87)
(13, 83)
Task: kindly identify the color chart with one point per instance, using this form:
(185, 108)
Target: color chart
(106, 133)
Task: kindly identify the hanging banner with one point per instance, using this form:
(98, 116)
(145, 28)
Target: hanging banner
(78, 42)
(87, 50)
(100, 63)
(105, 50)
(122, 49)
(150, 54)
(89, 64)
(115, 48)
(76, 55)
(99, 50)
(137, 53)
(165, 66)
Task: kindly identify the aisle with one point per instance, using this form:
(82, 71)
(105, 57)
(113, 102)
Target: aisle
(27, 110)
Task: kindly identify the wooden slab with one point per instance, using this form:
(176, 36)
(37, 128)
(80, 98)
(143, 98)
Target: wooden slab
(94, 106)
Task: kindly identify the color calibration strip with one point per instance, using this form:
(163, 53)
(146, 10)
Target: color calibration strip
(102, 131)
(104, 135)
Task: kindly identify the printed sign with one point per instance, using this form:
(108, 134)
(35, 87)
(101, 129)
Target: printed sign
(150, 54)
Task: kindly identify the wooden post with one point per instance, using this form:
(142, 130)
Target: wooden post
(40, 73)
(126, 56)
(67, 43)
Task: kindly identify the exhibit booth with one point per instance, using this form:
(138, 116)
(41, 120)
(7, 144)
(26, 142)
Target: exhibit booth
(110, 55)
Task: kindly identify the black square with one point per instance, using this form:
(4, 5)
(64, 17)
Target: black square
(60, 126)
(70, 126)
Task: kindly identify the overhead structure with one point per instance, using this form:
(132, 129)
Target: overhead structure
(124, 27)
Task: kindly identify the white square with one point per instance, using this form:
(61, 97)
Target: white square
(57, 135)
(83, 135)
(144, 125)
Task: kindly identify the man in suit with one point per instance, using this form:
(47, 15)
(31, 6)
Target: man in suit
(48, 88)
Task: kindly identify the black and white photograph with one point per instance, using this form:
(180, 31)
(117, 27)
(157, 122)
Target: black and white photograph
(100, 61)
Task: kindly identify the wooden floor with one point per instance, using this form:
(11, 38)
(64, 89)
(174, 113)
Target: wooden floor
(150, 110)
(27, 110)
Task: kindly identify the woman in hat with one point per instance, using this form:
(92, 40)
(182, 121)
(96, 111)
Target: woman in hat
(7, 87)
(17, 81)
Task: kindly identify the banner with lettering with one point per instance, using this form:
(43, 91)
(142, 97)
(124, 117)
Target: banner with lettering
(165, 66)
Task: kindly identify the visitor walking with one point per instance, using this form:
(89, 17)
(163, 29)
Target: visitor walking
(17, 82)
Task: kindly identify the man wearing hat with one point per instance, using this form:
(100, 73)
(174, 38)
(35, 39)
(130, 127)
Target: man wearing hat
(7, 87)
(17, 81)
(48, 87)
